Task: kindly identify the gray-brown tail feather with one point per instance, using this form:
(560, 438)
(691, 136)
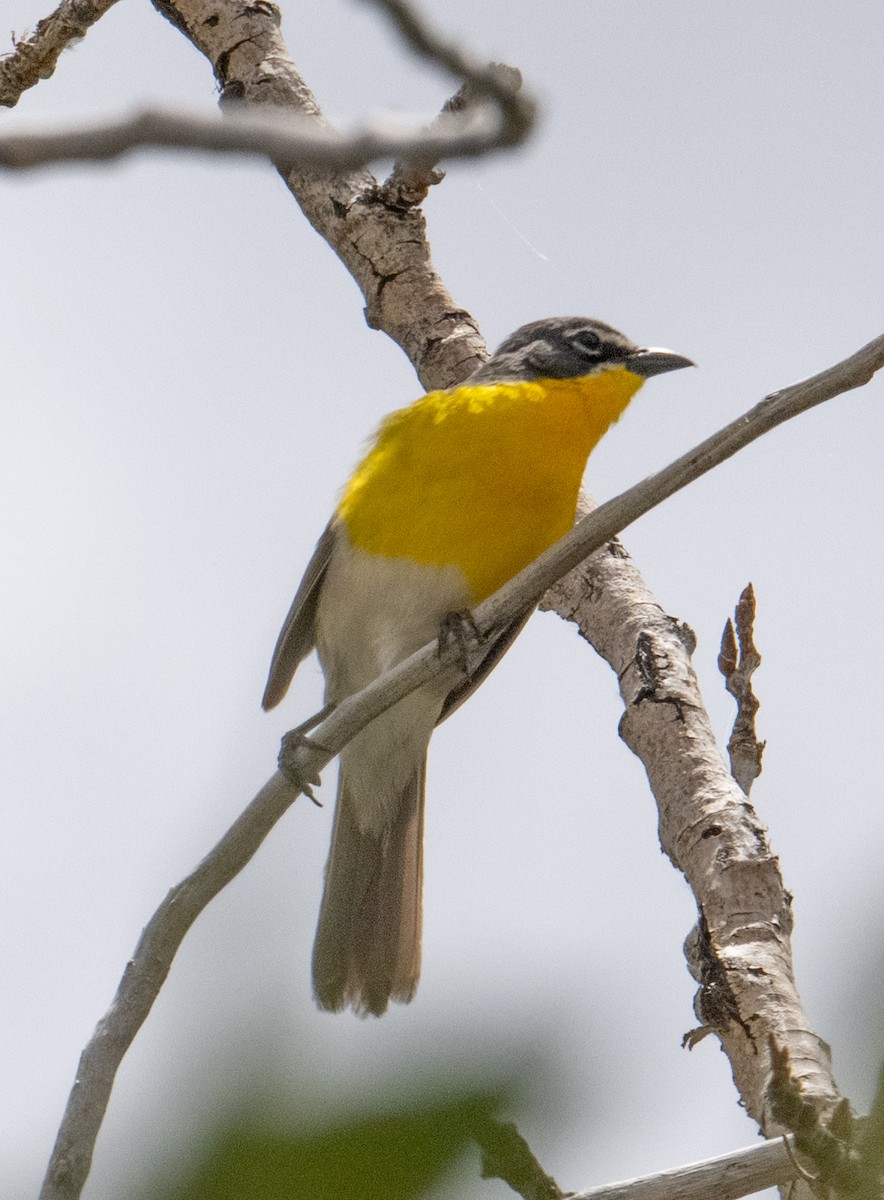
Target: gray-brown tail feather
(368, 943)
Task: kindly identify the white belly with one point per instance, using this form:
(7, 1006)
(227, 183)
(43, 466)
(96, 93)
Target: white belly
(373, 613)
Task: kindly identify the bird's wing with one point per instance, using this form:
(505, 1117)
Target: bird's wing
(496, 651)
(297, 636)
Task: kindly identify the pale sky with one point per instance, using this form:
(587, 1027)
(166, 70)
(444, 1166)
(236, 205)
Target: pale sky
(189, 380)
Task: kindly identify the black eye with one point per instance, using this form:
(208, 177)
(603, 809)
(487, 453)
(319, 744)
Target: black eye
(586, 343)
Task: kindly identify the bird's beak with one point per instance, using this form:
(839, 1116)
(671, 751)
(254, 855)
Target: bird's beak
(654, 361)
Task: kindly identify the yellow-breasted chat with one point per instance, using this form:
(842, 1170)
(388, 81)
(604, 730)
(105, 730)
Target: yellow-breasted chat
(456, 494)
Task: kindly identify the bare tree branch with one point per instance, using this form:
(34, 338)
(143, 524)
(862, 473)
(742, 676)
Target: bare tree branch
(464, 129)
(302, 759)
(283, 139)
(36, 54)
(741, 951)
(740, 1173)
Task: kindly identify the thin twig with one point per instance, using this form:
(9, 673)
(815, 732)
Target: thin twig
(283, 138)
(593, 531)
(517, 109)
(738, 659)
(35, 55)
(463, 130)
(740, 1173)
(146, 972)
(507, 1156)
(411, 179)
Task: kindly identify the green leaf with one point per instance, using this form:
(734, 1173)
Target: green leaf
(394, 1156)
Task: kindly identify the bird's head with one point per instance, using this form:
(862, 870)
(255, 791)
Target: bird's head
(571, 347)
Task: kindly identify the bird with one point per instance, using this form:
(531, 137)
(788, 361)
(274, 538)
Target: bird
(455, 495)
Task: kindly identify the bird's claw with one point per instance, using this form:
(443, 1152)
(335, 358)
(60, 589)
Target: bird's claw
(459, 629)
(290, 761)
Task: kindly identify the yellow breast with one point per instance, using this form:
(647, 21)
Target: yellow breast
(482, 477)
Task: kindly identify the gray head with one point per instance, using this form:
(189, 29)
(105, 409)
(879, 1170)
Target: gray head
(568, 347)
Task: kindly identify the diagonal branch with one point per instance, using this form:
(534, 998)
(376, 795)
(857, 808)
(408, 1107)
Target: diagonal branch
(35, 55)
(303, 759)
(596, 529)
(727, 1177)
(740, 952)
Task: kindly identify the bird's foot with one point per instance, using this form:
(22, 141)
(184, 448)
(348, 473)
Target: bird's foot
(459, 631)
(290, 759)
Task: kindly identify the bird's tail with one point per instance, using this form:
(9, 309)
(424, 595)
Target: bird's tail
(368, 944)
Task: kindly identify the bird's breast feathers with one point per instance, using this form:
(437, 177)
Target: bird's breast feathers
(481, 477)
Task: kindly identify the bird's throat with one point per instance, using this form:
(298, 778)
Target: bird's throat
(482, 477)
